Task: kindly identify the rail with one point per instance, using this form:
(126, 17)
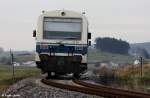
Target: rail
(93, 89)
(113, 91)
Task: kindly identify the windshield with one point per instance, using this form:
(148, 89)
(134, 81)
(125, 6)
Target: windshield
(60, 28)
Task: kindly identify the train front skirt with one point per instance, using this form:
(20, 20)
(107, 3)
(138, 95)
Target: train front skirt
(61, 64)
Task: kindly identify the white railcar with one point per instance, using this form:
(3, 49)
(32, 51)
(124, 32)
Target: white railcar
(62, 40)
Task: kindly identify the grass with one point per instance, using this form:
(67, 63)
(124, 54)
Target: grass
(130, 77)
(24, 58)
(134, 71)
(20, 72)
(127, 77)
(98, 56)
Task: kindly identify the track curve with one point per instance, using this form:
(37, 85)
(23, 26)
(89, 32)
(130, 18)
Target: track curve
(113, 91)
(93, 89)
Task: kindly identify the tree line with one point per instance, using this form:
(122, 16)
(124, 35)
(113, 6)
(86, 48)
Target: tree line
(112, 45)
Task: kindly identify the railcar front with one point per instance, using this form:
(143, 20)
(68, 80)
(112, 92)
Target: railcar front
(62, 42)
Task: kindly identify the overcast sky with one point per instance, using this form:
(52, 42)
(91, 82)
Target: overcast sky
(125, 19)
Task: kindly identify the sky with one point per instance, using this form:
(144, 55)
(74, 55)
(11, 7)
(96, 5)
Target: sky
(128, 20)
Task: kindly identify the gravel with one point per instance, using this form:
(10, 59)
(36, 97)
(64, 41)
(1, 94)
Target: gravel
(33, 88)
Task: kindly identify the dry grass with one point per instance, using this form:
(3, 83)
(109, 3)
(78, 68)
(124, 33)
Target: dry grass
(130, 77)
(132, 70)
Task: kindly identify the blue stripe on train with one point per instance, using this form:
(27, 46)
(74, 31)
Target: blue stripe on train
(63, 49)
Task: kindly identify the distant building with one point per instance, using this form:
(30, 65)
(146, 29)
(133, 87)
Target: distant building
(136, 62)
(29, 63)
(16, 64)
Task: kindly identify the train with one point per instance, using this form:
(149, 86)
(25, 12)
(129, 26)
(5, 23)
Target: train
(62, 40)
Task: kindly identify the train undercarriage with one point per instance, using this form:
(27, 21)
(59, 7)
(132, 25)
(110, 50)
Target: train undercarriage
(61, 65)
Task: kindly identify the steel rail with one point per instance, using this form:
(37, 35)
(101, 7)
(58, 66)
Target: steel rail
(102, 91)
(81, 89)
(114, 91)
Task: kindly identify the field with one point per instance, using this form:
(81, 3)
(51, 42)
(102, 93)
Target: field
(130, 77)
(24, 58)
(98, 56)
(20, 73)
(126, 77)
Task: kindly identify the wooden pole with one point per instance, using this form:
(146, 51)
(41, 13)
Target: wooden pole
(141, 63)
(12, 63)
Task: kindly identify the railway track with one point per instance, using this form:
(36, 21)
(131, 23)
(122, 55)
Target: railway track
(103, 91)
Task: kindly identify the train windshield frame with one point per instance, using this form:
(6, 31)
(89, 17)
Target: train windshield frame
(62, 28)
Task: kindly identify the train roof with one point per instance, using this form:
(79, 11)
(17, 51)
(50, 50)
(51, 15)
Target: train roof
(62, 13)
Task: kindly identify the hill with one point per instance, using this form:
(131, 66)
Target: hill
(145, 45)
